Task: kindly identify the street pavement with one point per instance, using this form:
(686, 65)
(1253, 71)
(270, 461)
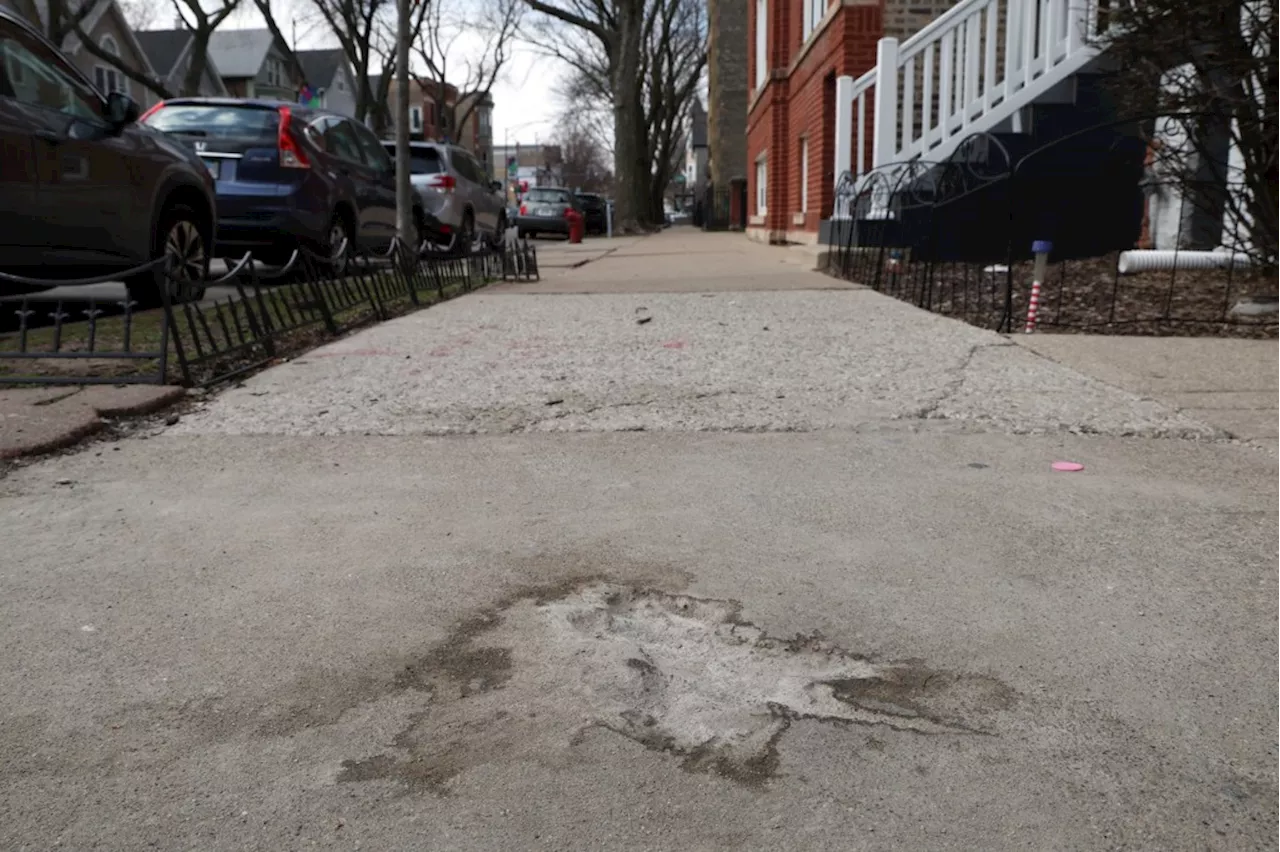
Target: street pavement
(629, 559)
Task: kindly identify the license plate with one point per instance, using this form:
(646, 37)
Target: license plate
(544, 211)
(213, 167)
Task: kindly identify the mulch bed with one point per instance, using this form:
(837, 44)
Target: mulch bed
(1087, 297)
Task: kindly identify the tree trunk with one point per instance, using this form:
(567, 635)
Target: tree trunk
(631, 176)
(197, 64)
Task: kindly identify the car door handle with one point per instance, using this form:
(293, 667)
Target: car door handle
(49, 136)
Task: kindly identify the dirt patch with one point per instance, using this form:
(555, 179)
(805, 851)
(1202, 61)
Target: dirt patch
(526, 680)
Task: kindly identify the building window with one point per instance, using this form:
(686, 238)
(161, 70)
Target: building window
(108, 78)
(804, 175)
(762, 178)
(762, 42)
(814, 11)
(415, 119)
(340, 84)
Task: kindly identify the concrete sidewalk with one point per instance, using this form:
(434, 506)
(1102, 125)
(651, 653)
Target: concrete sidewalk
(749, 569)
(677, 260)
(1229, 384)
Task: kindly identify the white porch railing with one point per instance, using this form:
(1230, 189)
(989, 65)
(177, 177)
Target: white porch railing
(970, 70)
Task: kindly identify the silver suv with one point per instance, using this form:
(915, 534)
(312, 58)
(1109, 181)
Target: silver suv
(456, 190)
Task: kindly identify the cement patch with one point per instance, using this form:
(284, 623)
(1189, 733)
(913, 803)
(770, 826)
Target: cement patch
(677, 674)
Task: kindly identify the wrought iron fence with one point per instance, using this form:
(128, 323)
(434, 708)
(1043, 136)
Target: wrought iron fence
(956, 238)
(252, 314)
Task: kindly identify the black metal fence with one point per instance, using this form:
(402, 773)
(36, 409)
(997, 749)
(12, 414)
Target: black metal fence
(955, 238)
(250, 315)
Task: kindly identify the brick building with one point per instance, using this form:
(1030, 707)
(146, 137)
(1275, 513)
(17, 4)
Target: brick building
(797, 49)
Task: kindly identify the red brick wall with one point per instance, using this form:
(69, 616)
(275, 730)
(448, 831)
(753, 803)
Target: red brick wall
(800, 102)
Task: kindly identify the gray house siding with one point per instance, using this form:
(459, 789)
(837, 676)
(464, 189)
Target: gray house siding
(339, 93)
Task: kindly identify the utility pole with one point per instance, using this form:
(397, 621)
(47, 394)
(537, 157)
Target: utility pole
(404, 188)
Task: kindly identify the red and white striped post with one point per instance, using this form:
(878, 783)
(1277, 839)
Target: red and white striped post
(1041, 249)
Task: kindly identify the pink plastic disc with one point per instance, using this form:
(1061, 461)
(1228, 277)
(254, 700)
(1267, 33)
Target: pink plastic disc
(1069, 467)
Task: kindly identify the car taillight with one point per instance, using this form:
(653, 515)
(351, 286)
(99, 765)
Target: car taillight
(142, 118)
(524, 210)
(291, 156)
(443, 182)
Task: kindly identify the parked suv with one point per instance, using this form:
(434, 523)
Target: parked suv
(84, 190)
(594, 214)
(287, 175)
(455, 189)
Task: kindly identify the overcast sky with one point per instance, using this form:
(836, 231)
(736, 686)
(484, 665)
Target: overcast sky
(525, 109)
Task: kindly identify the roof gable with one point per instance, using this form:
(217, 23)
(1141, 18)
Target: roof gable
(164, 48)
(240, 53)
(320, 67)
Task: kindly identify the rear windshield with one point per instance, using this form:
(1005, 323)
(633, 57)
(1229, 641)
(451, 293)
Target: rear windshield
(213, 121)
(555, 196)
(422, 161)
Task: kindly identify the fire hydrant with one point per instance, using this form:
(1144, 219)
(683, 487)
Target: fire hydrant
(577, 225)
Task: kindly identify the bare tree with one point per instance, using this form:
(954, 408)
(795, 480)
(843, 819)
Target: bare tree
(201, 21)
(443, 64)
(605, 39)
(676, 56)
(584, 161)
(365, 30)
(671, 63)
(141, 14)
(1210, 68)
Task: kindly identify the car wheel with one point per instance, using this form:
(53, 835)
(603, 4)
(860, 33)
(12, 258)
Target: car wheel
(337, 247)
(465, 237)
(183, 245)
(499, 234)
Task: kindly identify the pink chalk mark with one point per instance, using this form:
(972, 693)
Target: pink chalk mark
(673, 344)
(1067, 467)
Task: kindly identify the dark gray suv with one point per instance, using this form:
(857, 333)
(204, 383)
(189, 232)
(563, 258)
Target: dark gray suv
(85, 190)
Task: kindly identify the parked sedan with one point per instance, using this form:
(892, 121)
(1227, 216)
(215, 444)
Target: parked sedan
(543, 211)
(87, 191)
(456, 191)
(595, 213)
(289, 176)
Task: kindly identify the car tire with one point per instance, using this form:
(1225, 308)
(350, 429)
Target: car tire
(465, 236)
(499, 234)
(338, 244)
(182, 237)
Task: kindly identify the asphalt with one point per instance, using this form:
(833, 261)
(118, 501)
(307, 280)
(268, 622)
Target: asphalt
(864, 614)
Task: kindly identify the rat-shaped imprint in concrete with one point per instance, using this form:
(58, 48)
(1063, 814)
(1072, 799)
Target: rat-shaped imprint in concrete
(675, 673)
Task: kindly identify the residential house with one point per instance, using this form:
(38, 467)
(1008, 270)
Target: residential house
(169, 52)
(253, 65)
(330, 79)
(430, 108)
(696, 152)
(105, 24)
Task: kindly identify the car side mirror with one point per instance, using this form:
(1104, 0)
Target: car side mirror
(121, 110)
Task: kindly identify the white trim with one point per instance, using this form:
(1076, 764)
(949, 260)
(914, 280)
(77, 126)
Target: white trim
(762, 184)
(804, 174)
(762, 43)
